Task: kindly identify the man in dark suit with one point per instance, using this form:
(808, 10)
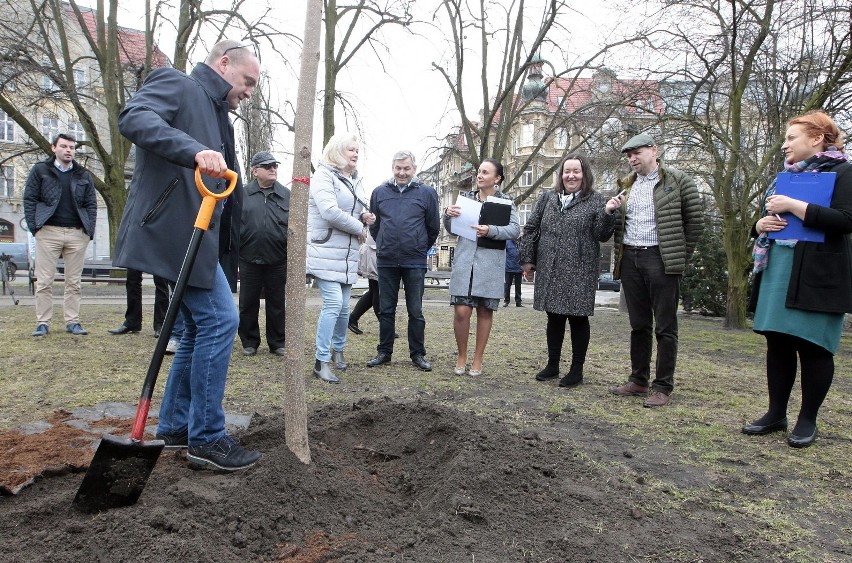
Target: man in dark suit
(178, 123)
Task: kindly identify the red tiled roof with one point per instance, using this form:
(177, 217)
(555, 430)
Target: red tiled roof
(131, 42)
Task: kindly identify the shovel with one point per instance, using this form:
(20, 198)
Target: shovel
(121, 466)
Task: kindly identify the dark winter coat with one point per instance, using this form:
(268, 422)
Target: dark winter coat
(407, 223)
(821, 274)
(263, 229)
(42, 193)
(568, 252)
(513, 258)
(170, 119)
(678, 214)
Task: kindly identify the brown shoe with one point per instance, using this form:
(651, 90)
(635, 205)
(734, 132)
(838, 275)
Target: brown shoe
(657, 399)
(629, 389)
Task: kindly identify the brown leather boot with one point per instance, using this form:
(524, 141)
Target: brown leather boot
(629, 389)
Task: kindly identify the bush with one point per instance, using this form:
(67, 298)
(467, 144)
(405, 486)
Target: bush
(704, 288)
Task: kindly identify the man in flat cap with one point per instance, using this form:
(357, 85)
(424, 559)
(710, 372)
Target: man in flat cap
(263, 255)
(655, 234)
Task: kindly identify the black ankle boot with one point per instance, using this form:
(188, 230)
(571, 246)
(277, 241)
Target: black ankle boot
(550, 371)
(573, 378)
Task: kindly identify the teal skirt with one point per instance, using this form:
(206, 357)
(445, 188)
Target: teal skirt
(771, 315)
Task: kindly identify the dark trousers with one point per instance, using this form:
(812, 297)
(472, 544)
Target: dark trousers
(365, 302)
(413, 280)
(269, 279)
(580, 335)
(133, 314)
(781, 362)
(512, 277)
(652, 298)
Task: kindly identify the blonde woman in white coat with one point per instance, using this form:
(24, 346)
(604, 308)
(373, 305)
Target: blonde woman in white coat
(337, 219)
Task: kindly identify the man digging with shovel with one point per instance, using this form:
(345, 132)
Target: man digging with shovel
(179, 122)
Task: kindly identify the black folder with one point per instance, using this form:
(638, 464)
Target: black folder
(494, 214)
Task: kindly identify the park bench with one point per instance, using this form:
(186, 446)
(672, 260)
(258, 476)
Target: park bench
(94, 271)
(435, 277)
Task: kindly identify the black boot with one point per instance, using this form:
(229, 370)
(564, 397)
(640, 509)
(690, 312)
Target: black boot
(573, 378)
(550, 371)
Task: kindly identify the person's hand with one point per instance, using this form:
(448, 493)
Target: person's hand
(781, 204)
(211, 163)
(453, 211)
(368, 218)
(528, 267)
(481, 230)
(770, 223)
(614, 203)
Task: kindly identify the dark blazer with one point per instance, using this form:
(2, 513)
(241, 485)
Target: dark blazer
(407, 223)
(170, 119)
(821, 275)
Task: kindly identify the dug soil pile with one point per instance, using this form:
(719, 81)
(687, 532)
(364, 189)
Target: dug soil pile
(389, 481)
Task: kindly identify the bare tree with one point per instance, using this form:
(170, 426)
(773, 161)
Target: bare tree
(260, 122)
(360, 23)
(746, 67)
(295, 407)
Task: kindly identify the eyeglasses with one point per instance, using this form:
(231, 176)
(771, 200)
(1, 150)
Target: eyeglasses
(272, 166)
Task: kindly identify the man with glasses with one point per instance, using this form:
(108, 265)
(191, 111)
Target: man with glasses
(263, 255)
(178, 123)
(407, 223)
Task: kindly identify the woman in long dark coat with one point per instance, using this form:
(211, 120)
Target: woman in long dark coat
(561, 243)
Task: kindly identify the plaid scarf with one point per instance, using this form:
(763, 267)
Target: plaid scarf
(816, 163)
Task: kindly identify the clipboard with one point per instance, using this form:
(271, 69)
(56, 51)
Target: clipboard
(497, 214)
(816, 188)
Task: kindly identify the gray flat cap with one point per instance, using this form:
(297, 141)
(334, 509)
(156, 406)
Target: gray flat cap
(637, 141)
(263, 157)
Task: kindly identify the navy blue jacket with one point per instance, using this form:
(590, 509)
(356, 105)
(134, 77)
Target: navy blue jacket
(170, 119)
(513, 258)
(406, 224)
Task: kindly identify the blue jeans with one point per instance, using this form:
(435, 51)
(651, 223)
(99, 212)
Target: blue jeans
(193, 396)
(333, 318)
(413, 282)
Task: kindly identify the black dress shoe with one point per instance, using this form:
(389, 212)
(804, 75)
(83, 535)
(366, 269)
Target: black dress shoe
(799, 441)
(353, 327)
(755, 429)
(123, 329)
(421, 363)
(379, 360)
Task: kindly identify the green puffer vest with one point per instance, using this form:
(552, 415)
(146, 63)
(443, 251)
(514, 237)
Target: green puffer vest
(678, 209)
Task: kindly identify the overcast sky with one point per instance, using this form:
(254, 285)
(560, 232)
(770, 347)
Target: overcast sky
(402, 102)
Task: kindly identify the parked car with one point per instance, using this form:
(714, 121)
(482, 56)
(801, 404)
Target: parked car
(605, 282)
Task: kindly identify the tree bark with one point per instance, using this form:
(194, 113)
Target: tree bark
(295, 407)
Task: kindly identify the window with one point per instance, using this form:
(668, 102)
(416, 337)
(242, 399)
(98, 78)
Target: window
(7, 181)
(79, 78)
(50, 127)
(47, 84)
(524, 211)
(7, 127)
(527, 131)
(561, 140)
(75, 129)
(526, 178)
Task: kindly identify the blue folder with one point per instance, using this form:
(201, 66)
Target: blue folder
(811, 187)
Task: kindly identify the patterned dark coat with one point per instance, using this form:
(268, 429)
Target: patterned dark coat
(566, 257)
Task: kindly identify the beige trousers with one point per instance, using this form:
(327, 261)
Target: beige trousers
(51, 243)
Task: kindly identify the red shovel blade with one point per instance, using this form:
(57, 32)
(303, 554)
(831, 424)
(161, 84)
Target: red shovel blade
(117, 474)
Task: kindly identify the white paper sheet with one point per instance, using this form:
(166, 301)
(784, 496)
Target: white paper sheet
(462, 225)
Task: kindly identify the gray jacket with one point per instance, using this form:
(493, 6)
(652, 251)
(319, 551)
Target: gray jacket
(334, 225)
(481, 270)
(568, 252)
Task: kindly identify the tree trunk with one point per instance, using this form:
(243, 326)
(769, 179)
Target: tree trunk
(738, 251)
(295, 407)
(330, 75)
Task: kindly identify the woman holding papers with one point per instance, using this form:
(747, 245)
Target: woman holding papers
(477, 278)
(561, 243)
(802, 288)
(337, 224)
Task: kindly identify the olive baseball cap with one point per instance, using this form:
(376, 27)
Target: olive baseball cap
(637, 141)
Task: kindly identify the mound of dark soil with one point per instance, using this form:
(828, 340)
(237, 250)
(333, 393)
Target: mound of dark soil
(388, 481)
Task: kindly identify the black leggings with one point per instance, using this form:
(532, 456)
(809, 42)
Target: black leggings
(817, 374)
(366, 301)
(580, 334)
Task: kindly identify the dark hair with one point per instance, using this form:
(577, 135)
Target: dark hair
(586, 187)
(498, 168)
(65, 136)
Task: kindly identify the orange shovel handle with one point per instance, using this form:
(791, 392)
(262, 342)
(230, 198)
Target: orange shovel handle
(208, 204)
